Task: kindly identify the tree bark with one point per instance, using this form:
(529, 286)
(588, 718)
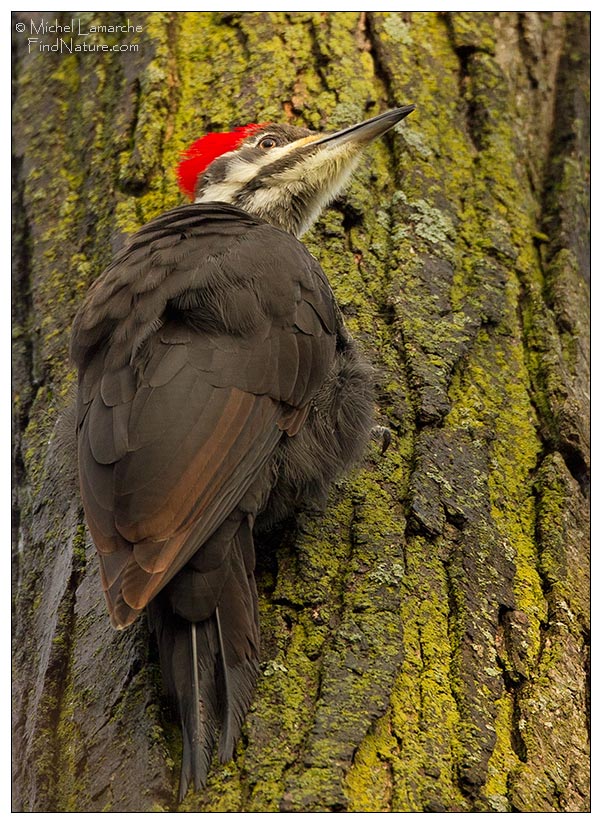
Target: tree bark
(425, 640)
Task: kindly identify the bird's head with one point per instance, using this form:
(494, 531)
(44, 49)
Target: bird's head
(284, 174)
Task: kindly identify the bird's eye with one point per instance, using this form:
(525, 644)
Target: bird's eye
(267, 143)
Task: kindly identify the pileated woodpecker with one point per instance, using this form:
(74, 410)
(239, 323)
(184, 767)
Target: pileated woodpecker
(218, 387)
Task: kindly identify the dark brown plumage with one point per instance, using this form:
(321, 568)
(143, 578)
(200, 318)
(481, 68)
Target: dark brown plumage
(217, 385)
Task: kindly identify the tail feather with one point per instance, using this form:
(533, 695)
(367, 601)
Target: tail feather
(210, 664)
(189, 655)
(198, 708)
(238, 634)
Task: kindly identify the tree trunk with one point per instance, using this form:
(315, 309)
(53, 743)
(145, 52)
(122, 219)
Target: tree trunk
(425, 641)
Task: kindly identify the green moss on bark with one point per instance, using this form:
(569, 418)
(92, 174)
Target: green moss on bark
(425, 640)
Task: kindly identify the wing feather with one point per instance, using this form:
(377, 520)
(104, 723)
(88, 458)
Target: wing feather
(196, 357)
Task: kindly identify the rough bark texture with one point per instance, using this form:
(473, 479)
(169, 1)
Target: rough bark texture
(425, 642)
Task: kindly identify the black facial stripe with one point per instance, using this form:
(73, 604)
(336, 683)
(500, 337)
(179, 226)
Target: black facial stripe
(278, 166)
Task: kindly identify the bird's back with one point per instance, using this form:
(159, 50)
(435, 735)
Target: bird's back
(199, 346)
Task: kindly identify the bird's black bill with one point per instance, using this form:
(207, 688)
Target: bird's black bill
(368, 129)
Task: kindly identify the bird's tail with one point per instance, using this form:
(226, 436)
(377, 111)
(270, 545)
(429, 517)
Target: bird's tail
(209, 664)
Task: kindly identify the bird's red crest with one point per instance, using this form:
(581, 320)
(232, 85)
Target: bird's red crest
(202, 152)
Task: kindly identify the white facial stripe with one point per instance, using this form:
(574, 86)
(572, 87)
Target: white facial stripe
(224, 192)
(262, 199)
(240, 171)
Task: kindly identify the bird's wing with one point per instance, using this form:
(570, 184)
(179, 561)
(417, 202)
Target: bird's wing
(171, 439)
